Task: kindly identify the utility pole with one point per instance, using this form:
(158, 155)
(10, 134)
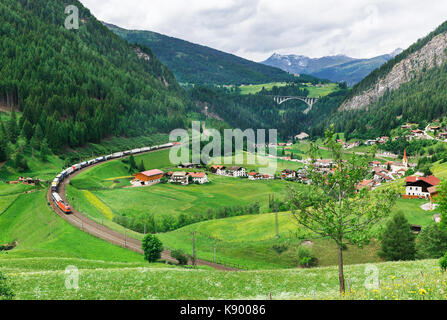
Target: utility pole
(194, 248)
(144, 228)
(276, 223)
(125, 238)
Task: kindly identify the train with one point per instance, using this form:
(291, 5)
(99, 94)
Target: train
(65, 207)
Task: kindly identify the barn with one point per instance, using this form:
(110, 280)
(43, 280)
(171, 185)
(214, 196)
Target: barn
(147, 178)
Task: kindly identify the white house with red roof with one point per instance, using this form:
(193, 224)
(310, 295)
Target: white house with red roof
(420, 186)
(199, 177)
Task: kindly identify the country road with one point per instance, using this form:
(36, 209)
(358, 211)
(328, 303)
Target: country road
(91, 227)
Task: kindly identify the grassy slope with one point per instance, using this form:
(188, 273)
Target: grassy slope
(39, 231)
(314, 91)
(45, 279)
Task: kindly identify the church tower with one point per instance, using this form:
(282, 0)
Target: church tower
(405, 160)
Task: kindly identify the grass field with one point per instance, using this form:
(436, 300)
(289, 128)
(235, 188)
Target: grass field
(39, 231)
(44, 279)
(255, 88)
(249, 242)
(314, 91)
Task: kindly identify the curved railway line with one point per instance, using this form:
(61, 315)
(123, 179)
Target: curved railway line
(98, 230)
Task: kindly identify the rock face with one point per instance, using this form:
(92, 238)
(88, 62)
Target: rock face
(433, 53)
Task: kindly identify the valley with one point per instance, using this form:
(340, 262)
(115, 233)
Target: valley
(92, 118)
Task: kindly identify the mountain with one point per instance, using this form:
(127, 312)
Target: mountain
(408, 88)
(197, 64)
(339, 68)
(82, 85)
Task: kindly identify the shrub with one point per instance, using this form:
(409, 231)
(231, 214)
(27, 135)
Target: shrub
(152, 248)
(398, 242)
(432, 242)
(443, 263)
(306, 257)
(180, 256)
(5, 291)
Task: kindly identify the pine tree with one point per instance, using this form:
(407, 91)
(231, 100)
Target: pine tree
(12, 127)
(44, 150)
(141, 167)
(132, 163)
(27, 130)
(3, 147)
(398, 241)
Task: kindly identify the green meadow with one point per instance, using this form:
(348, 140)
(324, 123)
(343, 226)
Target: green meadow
(39, 231)
(44, 279)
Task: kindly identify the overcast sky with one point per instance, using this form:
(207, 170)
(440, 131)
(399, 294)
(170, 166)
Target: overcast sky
(255, 29)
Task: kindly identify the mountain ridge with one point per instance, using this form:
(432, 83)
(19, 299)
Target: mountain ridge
(199, 64)
(337, 68)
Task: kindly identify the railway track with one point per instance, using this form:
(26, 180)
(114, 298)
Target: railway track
(98, 230)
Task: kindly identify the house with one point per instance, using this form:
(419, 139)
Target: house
(237, 172)
(365, 184)
(147, 178)
(417, 187)
(443, 135)
(417, 133)
(324, 163)
(376, 164)
(383, 139)
(267, 177)
(288, 174)
(370, 142)
(199, 177)
(434, 128)
(180, 177)
(219, 170)
(254, 176)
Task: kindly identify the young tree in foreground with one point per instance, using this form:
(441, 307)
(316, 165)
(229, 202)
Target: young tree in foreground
(398, 243)
(331, 206)
(152, 248)
(5, 291)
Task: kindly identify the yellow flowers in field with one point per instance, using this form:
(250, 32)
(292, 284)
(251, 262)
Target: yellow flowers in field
(98, 204)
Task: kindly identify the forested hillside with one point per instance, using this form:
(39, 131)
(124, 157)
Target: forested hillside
(78, 86)
(196, 64)
(409, 88)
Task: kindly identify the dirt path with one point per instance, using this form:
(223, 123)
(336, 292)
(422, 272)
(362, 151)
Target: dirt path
(91, 227)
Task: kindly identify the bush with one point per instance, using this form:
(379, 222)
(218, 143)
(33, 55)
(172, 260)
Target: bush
(398, 242)
(443, 263)
(306, 257)
(5, 291)
(180, 256)
(152, 248)
(432, 242)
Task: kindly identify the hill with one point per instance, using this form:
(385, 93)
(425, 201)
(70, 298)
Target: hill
(339, 68)
(408, 88)
(80, 85)
(197, 64)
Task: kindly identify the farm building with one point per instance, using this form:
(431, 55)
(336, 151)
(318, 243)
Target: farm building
(199, 177)
(267, 177)
(288, 174)
(254, 176)
(237, 172)
(180, 177)
(418, 187)
(147, 178)
(301, 136)
(219, 170)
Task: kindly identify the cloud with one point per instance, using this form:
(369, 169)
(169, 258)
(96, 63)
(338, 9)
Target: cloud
(255, 29)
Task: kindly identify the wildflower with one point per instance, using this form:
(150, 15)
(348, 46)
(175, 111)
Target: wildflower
(422, 291)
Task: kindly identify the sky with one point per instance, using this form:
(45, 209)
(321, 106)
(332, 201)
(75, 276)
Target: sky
(255, 29)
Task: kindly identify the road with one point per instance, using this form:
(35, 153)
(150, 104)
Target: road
(91, 227)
